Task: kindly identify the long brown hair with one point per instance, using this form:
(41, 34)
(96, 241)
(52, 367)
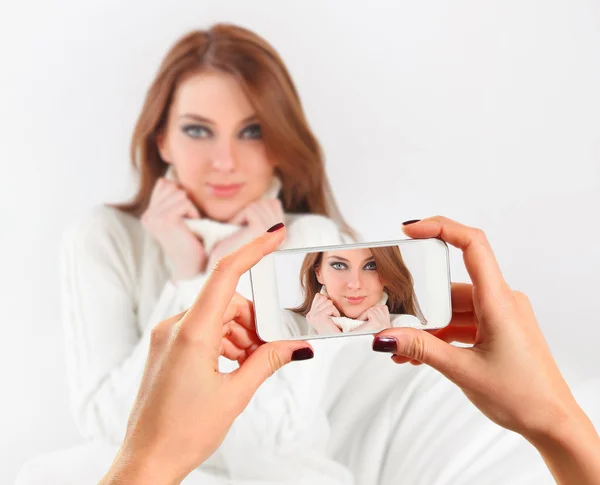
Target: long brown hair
(394, 275)
(268, 85)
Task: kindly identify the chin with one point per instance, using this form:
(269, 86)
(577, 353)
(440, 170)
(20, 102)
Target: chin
(354, 312)
(222, 211)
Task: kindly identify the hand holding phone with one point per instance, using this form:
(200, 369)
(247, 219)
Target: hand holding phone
(508, 372)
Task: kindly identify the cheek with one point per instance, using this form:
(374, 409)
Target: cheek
(193, 178)
(190, 158)
(373, 285)
(334, 281)
(252, 161)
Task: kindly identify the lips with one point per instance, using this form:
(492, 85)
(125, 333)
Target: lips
(224, 190)
(355, 300)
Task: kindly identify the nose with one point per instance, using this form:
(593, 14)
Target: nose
(354, 282)
(223, 159)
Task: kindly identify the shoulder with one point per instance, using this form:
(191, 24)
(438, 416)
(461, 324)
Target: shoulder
(405, 320)
(103, 226)
(311, 221)
(291, 316)
(306, 230)
(295, 325)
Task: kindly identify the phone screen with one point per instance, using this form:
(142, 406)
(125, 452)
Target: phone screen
(358, 289)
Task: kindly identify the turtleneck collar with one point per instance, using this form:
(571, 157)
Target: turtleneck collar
(346, 324)
(212, 231)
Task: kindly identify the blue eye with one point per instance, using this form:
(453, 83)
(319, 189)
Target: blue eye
(197, 131)
(371, 266)
(337, 265)
(251, 132)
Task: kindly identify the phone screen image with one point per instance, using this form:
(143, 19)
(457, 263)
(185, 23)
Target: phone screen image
(353, 289)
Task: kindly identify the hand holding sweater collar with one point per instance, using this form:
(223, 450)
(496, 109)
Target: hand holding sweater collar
(212, 231)
(397, 320)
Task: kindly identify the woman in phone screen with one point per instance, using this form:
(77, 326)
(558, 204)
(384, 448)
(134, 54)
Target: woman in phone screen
(354, 290)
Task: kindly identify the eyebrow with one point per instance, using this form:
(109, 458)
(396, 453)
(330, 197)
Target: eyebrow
(203, 119)
(347, 260)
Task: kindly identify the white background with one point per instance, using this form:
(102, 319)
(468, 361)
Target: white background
(487, 112)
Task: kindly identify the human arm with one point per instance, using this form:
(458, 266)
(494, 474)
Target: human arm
(509, 372)
(185, 406)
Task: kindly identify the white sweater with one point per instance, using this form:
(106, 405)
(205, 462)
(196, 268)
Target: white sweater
(116, 287)
(388, 424)
(296, 325)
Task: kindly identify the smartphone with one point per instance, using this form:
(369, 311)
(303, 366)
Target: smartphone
(351, 289)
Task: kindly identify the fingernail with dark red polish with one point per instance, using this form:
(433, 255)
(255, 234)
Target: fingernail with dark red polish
(385, 344)
(303, 354)
(412, 221)
(276, 227)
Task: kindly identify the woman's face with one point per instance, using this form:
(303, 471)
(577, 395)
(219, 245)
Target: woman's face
(351, 279)
(214, 141)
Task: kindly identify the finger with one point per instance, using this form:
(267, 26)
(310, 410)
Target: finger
(159, 194)
(185, 210)
(262, 364)
(205, 317)
(455, 363)
(277, 209)
(230, 351)
(383, 311)
(462, 297)
(400, 359)
(278, 206)
(169, 200)
(257, 218)
(248, 352)
(325, 305)
(181, 208)
(465, 335)
(240, 218)
(463, 320)
(479, 258)
(274, 209)
(331, 310)
(192, 212)
(264, 215)
(164, 190)
(158, 185)
(251, 216)
(239, 336)
(240, 310)
(319, 302)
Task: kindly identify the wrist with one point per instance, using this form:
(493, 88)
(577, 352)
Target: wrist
(571, 448)
(133, 468)
(565, 427)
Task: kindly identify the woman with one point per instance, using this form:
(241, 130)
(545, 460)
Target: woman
(522, 391)
(223, 151)
(354, 290)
